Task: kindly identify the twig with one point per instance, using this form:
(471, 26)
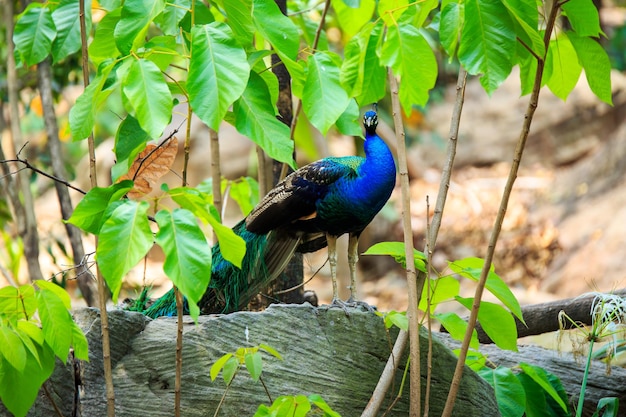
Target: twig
(519, 150)
(42, 173)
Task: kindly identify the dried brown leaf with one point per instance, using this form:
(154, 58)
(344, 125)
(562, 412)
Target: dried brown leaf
(150, 165)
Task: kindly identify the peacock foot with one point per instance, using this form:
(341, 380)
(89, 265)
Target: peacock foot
(352, 302)
(337, 303)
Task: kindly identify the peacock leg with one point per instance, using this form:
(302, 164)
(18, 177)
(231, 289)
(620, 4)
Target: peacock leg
(353, 257)
(332, 261)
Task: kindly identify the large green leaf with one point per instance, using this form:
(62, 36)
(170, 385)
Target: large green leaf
(125, 238)
(509, 392)
(542, 378)
(352, 19)
(239, 15)
(441, 289)
(13, 349)
(56, 320)
(88, 213)
(324, 99)
(487, 42)
(348, 123)
(255, 118)
(135, 19)
(452, 17)
(565, 69)
(67, 22)
(362, 74)
(232, 246)
(276, 28)
(18, 390)
(103, 46)
(218, 72)
(583, 15)
(187, 254)
(171, 16)
(496, 322)
(457, 327)
(82, 112)
(130, 140)
(34, 33)
(472, 268)
(148, 94)
(411, 58)
(594, 59)
(397, 252)
(525, 18)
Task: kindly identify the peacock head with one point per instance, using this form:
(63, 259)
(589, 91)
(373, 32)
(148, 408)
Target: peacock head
(370, 121)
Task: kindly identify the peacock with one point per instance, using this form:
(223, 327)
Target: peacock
(305, 212)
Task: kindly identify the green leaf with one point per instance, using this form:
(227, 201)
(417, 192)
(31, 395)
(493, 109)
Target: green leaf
(187, 253)
(67, 22)
(88, 213)
(18, 390)
(240, 20)
(27, 341)
(609, 407)
(565, 69)
(509, 392)
(398, 319)
(270, 350)
(348, 123)
(245, 192)
(134, 21)
(282, 33)
(56, 321)
(452, 17)
(232, 246)
(12, 348)
(472, 267)
(255, 118)
(487, 42)
(441, 289)
(32, 330)
(410, 56)
(103, 46)
(540, 376)
(536, 404)
(396, 250)
(324, 99)
(130, 140)
(583, 16)
(218, 72)
(322, 405)
(57, 290)
(34, 33)
(230, 369)
(171, 16)
(457, 327)
(525, 19)
(79, 343)
(362, 74)
(82, 113)
(125, 238)
(254, 364)
(594, 59)
(216, 368)
(149, 96)
(352, 19)
(391, 10)
(496, 322)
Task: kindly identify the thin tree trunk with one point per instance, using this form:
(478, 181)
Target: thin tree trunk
(86, 281)
(24, 212)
